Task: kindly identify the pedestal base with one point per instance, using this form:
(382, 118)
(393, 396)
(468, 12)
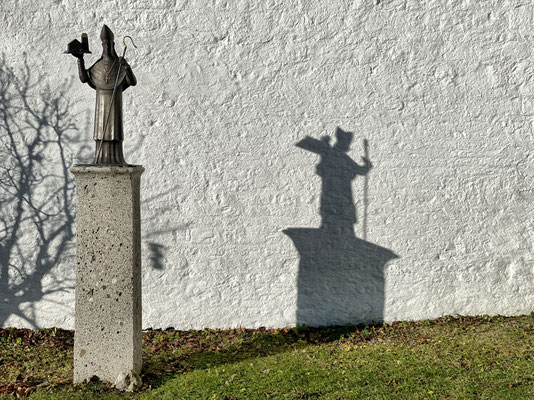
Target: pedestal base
(107, 337)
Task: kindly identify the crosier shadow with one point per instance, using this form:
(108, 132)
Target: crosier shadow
(340, 277)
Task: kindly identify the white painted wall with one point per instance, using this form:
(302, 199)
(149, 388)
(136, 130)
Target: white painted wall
(442, 90)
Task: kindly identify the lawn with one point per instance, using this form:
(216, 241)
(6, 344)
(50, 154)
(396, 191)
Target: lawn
(448, 358)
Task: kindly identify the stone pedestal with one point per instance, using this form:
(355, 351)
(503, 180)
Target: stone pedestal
(107, 337)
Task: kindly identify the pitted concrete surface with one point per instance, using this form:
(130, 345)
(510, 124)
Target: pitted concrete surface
(107, 337)
(442, 90)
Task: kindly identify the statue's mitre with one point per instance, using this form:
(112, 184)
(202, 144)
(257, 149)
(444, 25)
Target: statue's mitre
(343, 136)
(106, 34)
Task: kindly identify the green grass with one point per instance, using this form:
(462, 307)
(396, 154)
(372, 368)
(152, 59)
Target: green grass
(448, 358)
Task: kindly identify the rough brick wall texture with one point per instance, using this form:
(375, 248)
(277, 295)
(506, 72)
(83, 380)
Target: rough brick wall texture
(233, 211)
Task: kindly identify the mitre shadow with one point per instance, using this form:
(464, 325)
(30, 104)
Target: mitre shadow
(340, 277)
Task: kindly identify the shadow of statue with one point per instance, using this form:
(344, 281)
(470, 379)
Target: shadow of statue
(37, 135)
(340, 277)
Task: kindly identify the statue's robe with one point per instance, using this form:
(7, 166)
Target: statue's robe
(102, 76)
(337, 171)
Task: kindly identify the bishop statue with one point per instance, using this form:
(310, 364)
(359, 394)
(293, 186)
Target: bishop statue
(110, 75)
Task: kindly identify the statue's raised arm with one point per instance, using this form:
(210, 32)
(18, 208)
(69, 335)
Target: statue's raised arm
(315, 146)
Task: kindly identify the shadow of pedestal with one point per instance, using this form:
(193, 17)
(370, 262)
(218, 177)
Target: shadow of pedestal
(340, 277)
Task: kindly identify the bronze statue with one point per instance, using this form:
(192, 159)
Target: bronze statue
(110, 76)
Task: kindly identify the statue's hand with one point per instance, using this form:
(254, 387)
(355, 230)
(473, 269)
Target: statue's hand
(78, 55)
(123, 62)
(368, 164)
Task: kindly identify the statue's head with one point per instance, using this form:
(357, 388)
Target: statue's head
(343, 139)
(108, 45)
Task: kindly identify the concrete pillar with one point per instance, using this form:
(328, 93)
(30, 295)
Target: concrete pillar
(107, 337)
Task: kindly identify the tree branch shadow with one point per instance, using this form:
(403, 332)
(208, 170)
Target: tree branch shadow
(37, 138)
